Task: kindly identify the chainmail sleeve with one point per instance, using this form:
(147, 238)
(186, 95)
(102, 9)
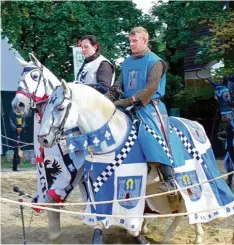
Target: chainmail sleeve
(116, 90)
(151, 86)
(104, 77)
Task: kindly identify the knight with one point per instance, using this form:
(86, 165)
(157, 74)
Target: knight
(143, 81)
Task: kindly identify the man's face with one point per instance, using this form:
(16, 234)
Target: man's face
(137, 43)
(87, 48)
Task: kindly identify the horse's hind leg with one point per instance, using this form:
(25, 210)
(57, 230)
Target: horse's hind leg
(171, 230)
(54, 223)
(199, 234)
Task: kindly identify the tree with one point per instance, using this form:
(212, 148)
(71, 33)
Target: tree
(48, 28)
(220, 44)
(177, 22)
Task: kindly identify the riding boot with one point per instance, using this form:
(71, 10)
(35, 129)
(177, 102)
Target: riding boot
(167, 173)
(97, 236)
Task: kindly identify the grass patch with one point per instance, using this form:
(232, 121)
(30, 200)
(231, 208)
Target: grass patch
(6, 163)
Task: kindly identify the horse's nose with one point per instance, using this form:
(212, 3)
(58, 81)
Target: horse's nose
(43, 141)
(227, 118)
(21, 105)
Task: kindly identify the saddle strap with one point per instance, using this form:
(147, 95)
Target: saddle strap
(163, 123)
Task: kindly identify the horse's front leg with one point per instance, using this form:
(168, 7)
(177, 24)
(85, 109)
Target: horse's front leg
(139, 238)
(199, 234)
(97, 235)
(54, 223)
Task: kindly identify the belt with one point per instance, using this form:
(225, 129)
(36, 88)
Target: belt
(153, 101)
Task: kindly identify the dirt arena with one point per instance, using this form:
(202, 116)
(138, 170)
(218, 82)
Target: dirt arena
(74, 232)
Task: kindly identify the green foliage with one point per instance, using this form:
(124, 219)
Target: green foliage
(173, 86)
(178, 22)
(189, 95)
(48, 28)
(220, 44)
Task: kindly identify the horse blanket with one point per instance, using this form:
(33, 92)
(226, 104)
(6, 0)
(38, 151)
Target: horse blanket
(107, 176)
(113, 176)
(199, 165)
(57, 174)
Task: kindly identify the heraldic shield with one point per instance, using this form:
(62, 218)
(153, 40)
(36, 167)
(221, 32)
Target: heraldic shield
(129, 187)
(187, 179)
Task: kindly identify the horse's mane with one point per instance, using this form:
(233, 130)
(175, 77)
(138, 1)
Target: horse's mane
(91, 96)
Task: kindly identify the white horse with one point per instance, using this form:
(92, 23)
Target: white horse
(36, 85)
(77, 105)
(57, 176)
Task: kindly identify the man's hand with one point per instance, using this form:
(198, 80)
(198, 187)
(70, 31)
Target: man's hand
(123, 103)
(19, 130)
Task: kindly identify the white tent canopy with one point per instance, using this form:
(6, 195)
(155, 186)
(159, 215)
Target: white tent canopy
(10, 67)
(10, 73)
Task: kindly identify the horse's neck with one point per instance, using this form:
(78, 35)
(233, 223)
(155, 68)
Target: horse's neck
(118, 124)
(51, 81)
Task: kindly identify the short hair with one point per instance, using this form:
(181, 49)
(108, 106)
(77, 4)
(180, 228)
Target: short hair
(92, 39)
(141, 30)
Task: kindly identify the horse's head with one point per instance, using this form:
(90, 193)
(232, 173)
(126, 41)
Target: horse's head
(223, 94)
(73, 105)
(35, 86)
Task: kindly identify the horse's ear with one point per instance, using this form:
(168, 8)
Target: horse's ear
(22, 62)
(35, 60)
(65, 88)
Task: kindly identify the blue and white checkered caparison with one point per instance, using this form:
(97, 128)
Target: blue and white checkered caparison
(160, 140)
(103, 177)
(191, 150)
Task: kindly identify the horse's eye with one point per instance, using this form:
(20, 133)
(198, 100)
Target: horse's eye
(61, 108)
(226, 96)
(35, 75)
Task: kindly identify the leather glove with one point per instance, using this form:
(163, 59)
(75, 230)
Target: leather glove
(123, 103)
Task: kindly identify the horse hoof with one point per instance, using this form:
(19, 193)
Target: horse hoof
(56, 241)
(140, 239)
(197, 242)
(97, 236)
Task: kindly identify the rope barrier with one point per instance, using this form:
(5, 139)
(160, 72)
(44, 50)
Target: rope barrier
(26, 143)
(109, 215)
(13, 146)
(8, 145)
(137, 198)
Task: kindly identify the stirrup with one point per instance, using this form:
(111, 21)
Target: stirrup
(171, 186)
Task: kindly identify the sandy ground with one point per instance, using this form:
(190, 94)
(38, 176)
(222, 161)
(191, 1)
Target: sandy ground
(74, 232)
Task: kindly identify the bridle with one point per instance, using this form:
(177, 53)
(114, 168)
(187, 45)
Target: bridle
(60, 129)
(32, 96)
